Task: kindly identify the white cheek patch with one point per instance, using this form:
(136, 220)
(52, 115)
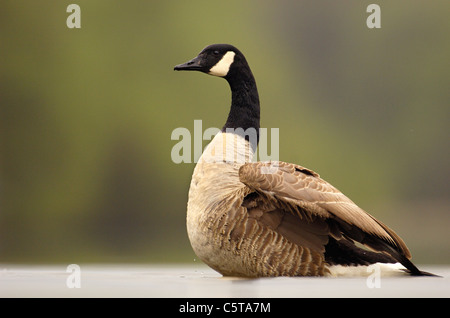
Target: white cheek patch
(223, 66)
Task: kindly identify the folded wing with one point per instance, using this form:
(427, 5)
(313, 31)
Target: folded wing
(307, 210)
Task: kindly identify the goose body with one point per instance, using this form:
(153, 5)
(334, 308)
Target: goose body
(259, 219)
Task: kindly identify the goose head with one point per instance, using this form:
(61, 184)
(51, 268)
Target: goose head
(220, 60)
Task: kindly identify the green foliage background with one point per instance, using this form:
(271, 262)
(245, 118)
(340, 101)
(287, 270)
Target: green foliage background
(86, 116)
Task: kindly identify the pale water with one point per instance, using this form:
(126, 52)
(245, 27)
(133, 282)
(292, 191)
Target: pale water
(125, 280)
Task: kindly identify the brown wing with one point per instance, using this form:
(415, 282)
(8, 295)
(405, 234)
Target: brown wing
(317, 211)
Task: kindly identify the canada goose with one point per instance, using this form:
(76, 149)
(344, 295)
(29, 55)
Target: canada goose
(256, 219)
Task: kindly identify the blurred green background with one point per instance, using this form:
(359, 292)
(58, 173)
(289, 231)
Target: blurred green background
(86, 117)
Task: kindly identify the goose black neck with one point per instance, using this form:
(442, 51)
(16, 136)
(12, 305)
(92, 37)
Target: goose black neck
(244, 112)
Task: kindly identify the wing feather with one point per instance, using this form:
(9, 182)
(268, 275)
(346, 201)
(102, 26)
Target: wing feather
(300, 190)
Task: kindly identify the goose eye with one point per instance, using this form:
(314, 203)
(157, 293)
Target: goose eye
(216, 52)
